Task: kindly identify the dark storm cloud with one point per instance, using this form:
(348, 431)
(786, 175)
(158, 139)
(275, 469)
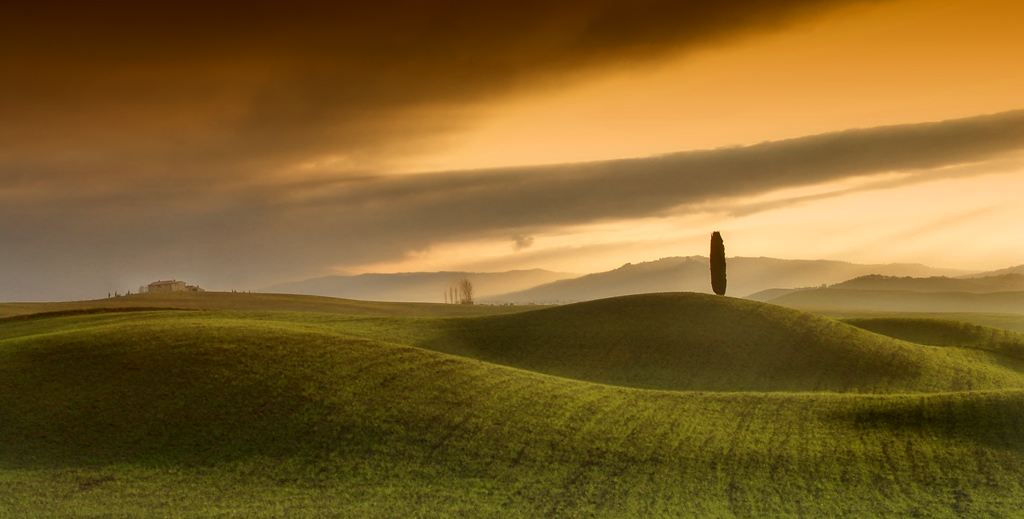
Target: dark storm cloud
(522, 241)
(204, 92)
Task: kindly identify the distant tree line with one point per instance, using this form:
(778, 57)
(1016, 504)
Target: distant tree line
(462, 293)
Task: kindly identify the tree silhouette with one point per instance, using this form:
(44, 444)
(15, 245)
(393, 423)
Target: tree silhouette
(466, 291)
(717, 263)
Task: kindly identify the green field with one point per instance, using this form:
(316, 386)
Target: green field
(945, 332)
(258, 302)
(1011, 322)
(664, 405)
(843, 299)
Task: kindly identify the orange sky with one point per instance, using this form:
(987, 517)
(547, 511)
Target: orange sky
(239, 147)
(856, 67)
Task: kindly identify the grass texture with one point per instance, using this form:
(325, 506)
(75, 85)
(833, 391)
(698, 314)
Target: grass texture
(256, 302)
(229, 413)
(701, 342)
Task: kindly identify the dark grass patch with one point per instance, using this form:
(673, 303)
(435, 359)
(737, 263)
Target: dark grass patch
(994, 419)
(945, 332)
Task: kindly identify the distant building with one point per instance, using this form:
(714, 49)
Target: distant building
(167, 286)
(173, 286)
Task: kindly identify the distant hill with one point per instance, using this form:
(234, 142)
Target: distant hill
(836, 299)
(1019, 269)
(772, 293)
(691, 274)
(426, 287)
(1003, 293)
(976, 285)
(945, 332)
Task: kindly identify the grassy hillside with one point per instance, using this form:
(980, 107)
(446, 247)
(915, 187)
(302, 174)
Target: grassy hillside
(945, 332)
(259, 302)
(709, 343)
(270, 414)
(1010, 322)
(836, 299)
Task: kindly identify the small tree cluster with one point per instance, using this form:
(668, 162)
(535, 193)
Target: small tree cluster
(462, 293)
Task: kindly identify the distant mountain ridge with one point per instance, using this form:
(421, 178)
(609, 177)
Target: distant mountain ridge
(974, 285)
(416, 287)
(1019, 269)
(692, 274)
(757, 278)
(1003, 293)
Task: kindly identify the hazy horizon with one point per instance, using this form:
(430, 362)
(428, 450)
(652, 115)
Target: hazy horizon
(237, 149)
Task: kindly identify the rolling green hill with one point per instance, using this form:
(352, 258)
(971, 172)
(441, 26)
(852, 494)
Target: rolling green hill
(685, 341)
(945, 332)
(1010, 322)
(227, 413)
(838, 299)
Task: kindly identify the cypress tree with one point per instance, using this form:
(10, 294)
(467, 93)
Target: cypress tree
(717, 263)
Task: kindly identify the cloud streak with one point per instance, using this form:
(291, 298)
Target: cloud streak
(466, 202)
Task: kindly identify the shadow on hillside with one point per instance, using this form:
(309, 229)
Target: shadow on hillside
(184, 396)
(144, 430)
(945, 332)
(991, 419)
(84, 311)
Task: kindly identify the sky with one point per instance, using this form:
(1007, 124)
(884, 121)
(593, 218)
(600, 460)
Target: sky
(241, 145)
